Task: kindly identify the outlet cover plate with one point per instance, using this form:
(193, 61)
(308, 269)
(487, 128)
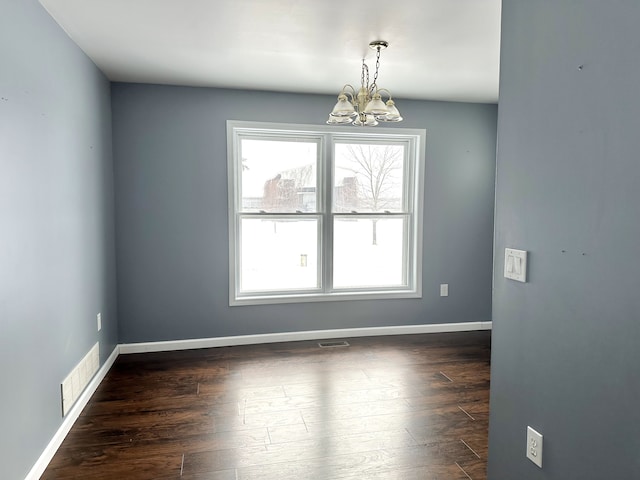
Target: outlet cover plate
(534, 446)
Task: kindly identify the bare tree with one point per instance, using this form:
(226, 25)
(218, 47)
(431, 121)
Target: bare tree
(377, 169)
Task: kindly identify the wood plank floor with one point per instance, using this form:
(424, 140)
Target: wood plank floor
(385, 408)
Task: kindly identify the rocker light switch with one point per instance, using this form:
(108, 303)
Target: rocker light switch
(515, 264)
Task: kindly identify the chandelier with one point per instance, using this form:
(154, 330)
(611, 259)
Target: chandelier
(365, 108)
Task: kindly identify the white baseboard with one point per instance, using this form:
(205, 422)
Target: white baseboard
(40, 466)
(38, 469)
(166, 346)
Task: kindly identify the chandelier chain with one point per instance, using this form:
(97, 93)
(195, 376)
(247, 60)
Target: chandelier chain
(365, 75)
(375, 76)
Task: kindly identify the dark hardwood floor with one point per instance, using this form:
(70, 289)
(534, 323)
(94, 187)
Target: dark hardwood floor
(400, 407)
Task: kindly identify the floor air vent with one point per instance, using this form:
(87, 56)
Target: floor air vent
(75, 383)
(333, 344)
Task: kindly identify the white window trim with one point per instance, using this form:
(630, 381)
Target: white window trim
(416, 139)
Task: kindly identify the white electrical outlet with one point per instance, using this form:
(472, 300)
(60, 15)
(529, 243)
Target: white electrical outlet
(99, 321)
(534, 446)
(444, 289)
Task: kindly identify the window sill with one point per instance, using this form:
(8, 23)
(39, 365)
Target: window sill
(324, 297)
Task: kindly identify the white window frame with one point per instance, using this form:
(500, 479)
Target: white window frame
(327, 136)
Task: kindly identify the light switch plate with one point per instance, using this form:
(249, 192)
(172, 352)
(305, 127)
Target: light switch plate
(444, 289)
(515, 264)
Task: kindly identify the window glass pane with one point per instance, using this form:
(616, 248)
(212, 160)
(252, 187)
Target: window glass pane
(368, 252)
(368, 178)
(278, 254)
(278, 175)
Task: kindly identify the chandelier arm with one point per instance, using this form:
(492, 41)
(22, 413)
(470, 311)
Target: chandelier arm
(351, 93)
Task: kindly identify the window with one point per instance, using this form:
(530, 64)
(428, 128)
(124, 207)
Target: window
(320, 213)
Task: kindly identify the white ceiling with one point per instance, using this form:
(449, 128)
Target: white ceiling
(438, 49)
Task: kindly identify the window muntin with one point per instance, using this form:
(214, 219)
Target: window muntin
(317, 214)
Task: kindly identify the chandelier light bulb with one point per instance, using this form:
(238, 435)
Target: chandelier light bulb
(336, 120)
(394, 114)
(343, 108)
(365, 120)
(376, 106)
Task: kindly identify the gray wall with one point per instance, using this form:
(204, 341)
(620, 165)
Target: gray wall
(566, 345)
(171, 204)
(57, 267)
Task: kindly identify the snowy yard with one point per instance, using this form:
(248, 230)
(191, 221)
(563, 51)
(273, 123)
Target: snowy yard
(283, 255)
